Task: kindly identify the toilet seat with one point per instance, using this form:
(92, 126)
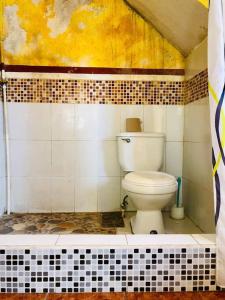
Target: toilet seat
(149, 182)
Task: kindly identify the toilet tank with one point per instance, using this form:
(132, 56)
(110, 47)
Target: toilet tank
(140, 151)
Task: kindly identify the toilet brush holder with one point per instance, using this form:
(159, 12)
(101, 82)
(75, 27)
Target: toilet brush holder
(177, 213)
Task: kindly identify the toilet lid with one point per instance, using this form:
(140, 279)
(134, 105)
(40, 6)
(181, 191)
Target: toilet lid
(150, 178)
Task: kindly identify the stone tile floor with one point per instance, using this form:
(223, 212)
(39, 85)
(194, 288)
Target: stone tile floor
(60, 223)
(84, 223)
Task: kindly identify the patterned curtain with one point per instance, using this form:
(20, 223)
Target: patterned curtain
(216, 70)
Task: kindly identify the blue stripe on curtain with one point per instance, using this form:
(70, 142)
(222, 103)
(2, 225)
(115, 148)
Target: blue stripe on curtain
(217, 123)
(217, 187)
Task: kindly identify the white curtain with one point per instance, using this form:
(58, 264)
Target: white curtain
(216, 70)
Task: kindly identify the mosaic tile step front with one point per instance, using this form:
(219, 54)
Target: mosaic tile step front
(73, 270)
(66, 223)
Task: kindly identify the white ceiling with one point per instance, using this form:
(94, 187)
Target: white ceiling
(182, 22)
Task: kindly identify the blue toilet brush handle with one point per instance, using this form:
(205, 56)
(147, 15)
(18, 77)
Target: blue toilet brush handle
(178, 192)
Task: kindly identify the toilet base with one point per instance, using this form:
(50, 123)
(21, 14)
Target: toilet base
(146, 222)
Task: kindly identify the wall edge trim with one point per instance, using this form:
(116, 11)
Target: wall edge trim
(90, 70)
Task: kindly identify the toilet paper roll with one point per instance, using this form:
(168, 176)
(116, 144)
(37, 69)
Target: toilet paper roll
(133, 125)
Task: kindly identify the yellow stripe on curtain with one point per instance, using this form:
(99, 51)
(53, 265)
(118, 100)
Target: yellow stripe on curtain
(205, 3)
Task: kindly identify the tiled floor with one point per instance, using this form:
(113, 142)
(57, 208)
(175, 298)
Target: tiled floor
(185, 226)
(84, 223)
(61, 223)
(119, 296)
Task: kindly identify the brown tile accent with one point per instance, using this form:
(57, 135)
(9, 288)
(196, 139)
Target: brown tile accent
(119, 296)
(88, 296)
(197, 87)
(23, 296)
(89, 70)
(177, 296)
(95, 91)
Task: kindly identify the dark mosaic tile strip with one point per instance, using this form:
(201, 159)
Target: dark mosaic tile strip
(107, 270)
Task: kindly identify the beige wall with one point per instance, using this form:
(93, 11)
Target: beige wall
(197, 178)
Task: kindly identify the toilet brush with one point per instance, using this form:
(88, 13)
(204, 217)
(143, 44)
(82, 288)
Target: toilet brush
(177, 211)
(178, 192)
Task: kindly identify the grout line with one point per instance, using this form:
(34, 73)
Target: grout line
(126, 239)
(57, 240)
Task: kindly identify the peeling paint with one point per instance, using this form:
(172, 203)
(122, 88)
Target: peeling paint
(63, 10)
(16, 37)
(84, 33)
(36, 2)
(81, 25)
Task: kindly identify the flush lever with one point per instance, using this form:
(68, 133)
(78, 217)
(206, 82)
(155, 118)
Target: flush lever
(126, 140)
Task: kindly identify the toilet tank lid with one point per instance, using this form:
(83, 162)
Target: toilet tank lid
(141, 134)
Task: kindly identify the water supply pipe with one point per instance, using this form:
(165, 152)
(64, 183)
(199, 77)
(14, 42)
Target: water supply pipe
(6, 127)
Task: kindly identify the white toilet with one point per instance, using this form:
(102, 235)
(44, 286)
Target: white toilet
(141, 154)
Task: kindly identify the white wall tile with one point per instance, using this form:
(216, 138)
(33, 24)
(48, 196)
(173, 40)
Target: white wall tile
(29, 121)
(130, 111)
(197, 170)
(155, 118)
(199, 206)
(63, 158)
(88, 158)
(3, 195)
(19, 194)
(197, 163)
(63, 119)
(62, 194)
(108, 163)
(174, 123)
(86, 194)
(108, 121)
(2, 158)
(30, 158)
(38, 194)
(86, 121)
(197, 121)
(30, 194)
(1, 122)
(174, 158)
(109, 193)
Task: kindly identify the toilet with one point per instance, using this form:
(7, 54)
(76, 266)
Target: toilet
(141, 155)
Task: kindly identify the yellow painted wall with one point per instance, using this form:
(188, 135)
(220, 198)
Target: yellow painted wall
(88, 33)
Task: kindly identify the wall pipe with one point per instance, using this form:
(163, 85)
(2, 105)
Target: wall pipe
(6, 127)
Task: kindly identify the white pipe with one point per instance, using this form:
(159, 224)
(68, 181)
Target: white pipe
(6, 125)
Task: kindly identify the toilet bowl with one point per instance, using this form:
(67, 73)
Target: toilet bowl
(141, 156)
(150, 191)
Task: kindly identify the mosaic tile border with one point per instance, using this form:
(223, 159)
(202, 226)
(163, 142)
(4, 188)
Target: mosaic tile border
(95, 91)
(110, 91)
(107, 270)
(197, 87)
